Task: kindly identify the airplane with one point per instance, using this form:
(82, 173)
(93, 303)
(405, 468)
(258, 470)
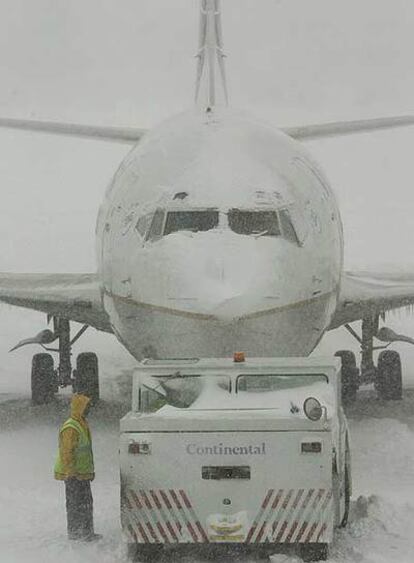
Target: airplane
(218, 233)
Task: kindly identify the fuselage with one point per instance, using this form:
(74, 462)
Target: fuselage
(219, 233)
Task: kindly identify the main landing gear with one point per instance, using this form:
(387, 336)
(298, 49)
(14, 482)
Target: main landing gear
(46, 379)
(386, 375)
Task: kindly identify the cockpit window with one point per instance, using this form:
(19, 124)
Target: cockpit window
(288, 229)
(157, 225)
(264, 223)
(270, 223)
(191, 221)
(143, 224)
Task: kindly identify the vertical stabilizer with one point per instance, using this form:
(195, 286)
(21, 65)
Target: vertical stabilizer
(211, 87)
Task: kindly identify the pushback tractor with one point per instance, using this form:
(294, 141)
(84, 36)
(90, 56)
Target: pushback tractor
(251, 453)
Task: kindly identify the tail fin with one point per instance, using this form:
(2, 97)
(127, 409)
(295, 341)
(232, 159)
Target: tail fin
(210, 55)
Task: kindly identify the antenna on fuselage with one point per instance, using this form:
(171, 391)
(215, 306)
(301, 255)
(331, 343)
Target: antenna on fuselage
(210, 56)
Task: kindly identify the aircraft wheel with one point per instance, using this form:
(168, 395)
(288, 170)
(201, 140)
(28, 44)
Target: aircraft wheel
(389, 376)
(349, 376)
(86, 376)
(43, 379)
(314, 551)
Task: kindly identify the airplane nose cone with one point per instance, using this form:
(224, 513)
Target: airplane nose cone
(228, 277)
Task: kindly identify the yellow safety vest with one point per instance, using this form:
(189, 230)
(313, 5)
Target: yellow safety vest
(83, 451)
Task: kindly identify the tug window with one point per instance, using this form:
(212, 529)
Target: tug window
(277, 382)
(191, 221)
(264, 223)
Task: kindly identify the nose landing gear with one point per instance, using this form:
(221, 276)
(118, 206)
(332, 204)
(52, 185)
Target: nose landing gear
(46, 379)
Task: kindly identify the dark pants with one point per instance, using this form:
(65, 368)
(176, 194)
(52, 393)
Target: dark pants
(79, 509)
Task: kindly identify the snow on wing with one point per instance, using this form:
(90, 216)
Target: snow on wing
(365, 293)
(73, 296)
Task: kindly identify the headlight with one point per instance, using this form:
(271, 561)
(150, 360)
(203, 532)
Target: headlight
(313, 409)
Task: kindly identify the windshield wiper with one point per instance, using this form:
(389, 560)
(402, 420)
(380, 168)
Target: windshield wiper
(176, 375)
(261, 233)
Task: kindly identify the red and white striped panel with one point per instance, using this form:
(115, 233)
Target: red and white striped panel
(285, 516)
(293, 516)
(161, 516)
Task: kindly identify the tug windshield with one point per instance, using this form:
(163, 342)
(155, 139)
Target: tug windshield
(181, 391)
(262, 391)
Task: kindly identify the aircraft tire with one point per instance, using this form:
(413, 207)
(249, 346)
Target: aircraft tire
(389, 376)
(43, 384)
(349, 376)
(86, 376)
(314, 551)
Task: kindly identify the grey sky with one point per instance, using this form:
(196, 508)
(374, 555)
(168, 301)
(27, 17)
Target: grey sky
(132, 60)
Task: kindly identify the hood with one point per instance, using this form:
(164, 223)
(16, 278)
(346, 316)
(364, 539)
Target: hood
(78, 405)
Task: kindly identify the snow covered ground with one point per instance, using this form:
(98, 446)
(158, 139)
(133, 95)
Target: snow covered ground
(32, 516)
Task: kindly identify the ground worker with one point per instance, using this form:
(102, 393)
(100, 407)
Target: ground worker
(74, 465)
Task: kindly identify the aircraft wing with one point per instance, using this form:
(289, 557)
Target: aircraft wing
(129, 135)
(132, 135)
(338, 128)
(365, 293)
(72, 296)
